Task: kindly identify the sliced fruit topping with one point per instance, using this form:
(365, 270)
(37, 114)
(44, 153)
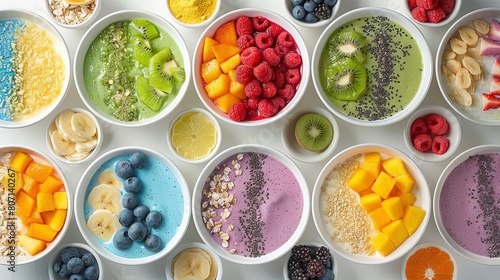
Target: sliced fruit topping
(226, 33)
(348, 44)
(489, 47)
(494, 33)
(83, 125)
(142, 50)
(490, 101)
(152, 97)
(109, 178)
(103, 223)
(105, 197)
(160, 75)
(224, 51)
(191, 265)
(147, 29)
(346, 81)
(313, 132)
(78, 2)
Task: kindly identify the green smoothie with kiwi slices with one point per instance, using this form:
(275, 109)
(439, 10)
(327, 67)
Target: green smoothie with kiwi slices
(133, 69)
(371, 68)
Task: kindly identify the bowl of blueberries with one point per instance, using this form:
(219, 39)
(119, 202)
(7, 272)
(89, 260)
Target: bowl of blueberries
(76, 261)
(312, 13)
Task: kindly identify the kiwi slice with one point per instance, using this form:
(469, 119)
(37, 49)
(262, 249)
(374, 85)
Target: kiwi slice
(345, 80)
(348, 44)
(160, 74)
(313, 132)
(147, 29)
(142, 50)
(152, 97)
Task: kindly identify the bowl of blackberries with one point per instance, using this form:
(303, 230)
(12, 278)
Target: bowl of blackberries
(310, 261)
(312, 13)
(76, 261)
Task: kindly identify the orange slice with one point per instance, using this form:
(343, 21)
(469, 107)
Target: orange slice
(429, 262)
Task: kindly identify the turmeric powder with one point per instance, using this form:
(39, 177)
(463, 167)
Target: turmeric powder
(192, 11)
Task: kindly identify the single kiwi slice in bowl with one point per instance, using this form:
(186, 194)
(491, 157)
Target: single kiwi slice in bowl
(142, 50)
(150, 96)
(147, 29)
(313, 132)
(164, 71)
(346, 80)
(348, 44)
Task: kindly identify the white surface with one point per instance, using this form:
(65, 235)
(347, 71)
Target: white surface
(153, 136)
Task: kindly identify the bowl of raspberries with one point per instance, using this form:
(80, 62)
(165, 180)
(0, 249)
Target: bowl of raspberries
(251, 67)
(432, 13)
(312, 13)
(432, 133)
(310, 261)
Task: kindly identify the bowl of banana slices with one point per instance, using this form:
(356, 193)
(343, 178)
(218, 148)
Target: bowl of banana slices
(193, 260)
(74, 136)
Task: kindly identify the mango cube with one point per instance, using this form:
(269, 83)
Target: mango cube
(370, 201)
(210, 70)
(218, 87)
(30, 186)
(33, 246)
(393, 207)
(407, 199)
(55, 219)
(25, 204)
(230, 63)
(396, 231)
(60, 200)
(360, 180)
(412, 218)
(226, 101)
(394, 166)
(226, 33)
(383, 185)
(382, 244)
(51, 185)
(39, 172)
(371, 163)
(20, 162)
(224, 51)
(379, 218)
(208, 54)
(12, 182)
(404, 182)
(41, 232)
(238, 90)
(45, 202)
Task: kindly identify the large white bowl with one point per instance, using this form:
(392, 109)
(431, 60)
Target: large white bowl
(95, 30)
(405, 23)
(169, 269)
(420, 191)
(197, 208)
(159, 200)
(198, 58)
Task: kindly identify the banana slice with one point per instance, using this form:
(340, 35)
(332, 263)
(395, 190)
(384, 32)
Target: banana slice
(475, 53)
(213, 263)
(191, 265)
(60, 144)
(461, 96)
(463, 78)
(481, 26)
(108, 177)
(83, 125)
(87, 146)
(449, 55)
(103, 224)
(468, 35)
(458, 46)
(78, 2)
(453, 65)
(471, 65)
(66, 129)
(105, 197)
(77, 156)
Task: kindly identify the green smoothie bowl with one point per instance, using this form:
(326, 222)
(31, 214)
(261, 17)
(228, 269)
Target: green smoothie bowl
(372, 67)
(132, 68)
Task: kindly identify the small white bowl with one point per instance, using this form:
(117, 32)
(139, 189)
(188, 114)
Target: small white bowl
(321, 23)
(334, 268)
(169, 271)
(202, 24)
(464, 193)
(99, 133)
(421, 42)
(95, 30)
(420, 191)
(291, 145)
(273, 220)
(425, 245)
(212, 119)
(454, 135)
(448, 19)
(83, 248)
(97, 5)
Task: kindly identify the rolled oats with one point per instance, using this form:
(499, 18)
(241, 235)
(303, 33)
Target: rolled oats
(71, 14)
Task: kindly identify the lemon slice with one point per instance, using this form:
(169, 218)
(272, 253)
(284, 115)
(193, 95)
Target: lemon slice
(194, 136)
(78, 2)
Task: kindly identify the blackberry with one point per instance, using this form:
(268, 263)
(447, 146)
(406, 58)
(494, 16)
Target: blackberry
(298, 275)
(323, 254)
(315, 268)
(323, 11)
(301, 253)
(294, 265)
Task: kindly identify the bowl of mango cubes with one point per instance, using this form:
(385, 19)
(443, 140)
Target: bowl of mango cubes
(371, 204)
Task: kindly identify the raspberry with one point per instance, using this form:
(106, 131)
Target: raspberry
(281, 50)
(412, 4)
(244, 74)
(435, 15)
(245, 41)
(436, 124)
(422, 142)
(274, 30)
(287, 92)
(253, 103)
(292, 60)
(253, 89)
(270, 56)
(418, 126)
(238, 111)
(263, 72)
(251, 56)
(267, 109)
(254, 115)
(279, 79)
(268, 90)
(282, 68)
(293, 76)
(419, 14)
(244, 26)
(447, 5)
(260, 23)
(263, 40)
(285, 39)
(278, 102)
(427, 4)
(440, 145)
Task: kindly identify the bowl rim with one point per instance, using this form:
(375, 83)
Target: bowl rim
(196, 208)
(449, 18)
(56, 256)
(188, 245)
(321, 23)
(479, 13)
(425, 245)
(202, 24)
(87, 39)
(91, 239)
(90, 19)
(312, 244)
(481, 149)
(427, 72)
(62, 47)
(424, 198)
(251, 12)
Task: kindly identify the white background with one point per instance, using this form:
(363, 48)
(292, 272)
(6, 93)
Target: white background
(154, 136)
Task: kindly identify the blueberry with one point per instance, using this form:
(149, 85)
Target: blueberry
(130, 200)
(132, 184)
(138, 231)
(126, 217)
(152, 242)
(124, 169)
(69, 253)
(311, 18)
(121, 240)
(298, 12)
(327, 275)
(64, 273)
(88, 259)
(75, 265)
(56, 267)
(139, 160)
(318, 1)
(91, 273)
(154, 219)
(331, 3)
(140, 212)
(297, 2)
(77, 277)
(310, 5)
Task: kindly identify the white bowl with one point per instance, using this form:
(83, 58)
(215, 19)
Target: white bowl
(210, 30)
(420, 191)
(475, 112)
(97, 4)
(335, 267)
(83, 248)
(99, 133)
(212, 119)
(448, 19)
(454, 135)
(321, 23)
(290, 232)
(62, 51)
(465, 203)
(293, 148)
(202, 24)
(174, 190)
(425, 245)
(39, 157)
(95, 30)
(378, 120)
(169, 269)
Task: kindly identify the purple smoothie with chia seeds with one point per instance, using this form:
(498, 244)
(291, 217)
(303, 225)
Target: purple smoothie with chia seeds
(252, 204)
(470, 204)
